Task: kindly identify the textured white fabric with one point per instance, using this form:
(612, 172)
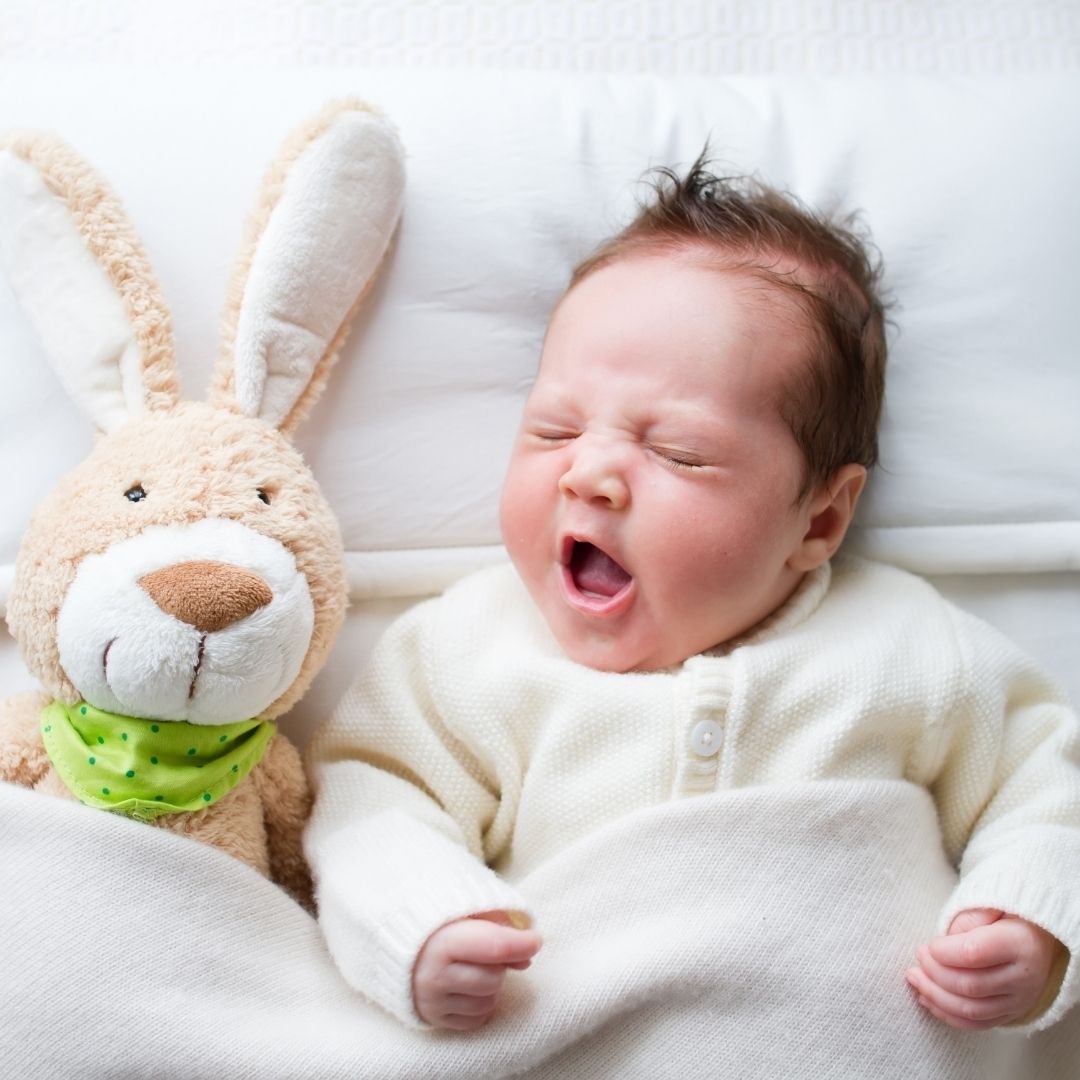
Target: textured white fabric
(472, 732)
(701, 37)
(173, 961)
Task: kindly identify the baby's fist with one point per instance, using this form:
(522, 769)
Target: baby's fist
(461, 968)
(989, 969)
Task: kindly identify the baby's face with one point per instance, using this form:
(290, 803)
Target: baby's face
(650, 503)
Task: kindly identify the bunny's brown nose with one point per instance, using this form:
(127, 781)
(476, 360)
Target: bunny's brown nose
(207, 595)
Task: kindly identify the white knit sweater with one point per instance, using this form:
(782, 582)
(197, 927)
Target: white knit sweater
(471, 750)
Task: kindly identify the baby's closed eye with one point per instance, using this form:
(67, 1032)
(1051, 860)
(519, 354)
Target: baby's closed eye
(551, 434)
(677, 458)
(552, 417)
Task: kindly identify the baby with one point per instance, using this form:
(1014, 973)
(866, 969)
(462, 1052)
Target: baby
(675, 622)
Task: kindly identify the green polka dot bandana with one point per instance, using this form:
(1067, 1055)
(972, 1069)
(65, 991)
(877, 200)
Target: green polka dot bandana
(146, 768)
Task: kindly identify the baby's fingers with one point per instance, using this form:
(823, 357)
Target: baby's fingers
(460, 1021)
(967, 982)
(483, 942)
(467, 1005)
(474, 980)
(954, 1021)
(968, 1014)
(973, 917)
(984, 947)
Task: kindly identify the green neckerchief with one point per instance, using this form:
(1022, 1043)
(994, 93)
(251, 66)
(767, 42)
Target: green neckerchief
(145, 768)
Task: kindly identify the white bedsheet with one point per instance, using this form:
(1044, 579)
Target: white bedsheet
(170, 960)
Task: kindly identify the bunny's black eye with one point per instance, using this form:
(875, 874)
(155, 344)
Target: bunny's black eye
(135, 494)
(264, 495)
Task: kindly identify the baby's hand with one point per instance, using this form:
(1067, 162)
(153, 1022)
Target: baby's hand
(990, 969)
(460, 969)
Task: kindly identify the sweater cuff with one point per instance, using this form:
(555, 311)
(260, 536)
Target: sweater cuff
(378, 904)
(1049, 908)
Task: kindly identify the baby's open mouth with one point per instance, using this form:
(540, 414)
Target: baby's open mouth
(594, 572)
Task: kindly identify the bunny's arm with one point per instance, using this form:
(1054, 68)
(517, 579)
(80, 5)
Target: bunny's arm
(286, 801)
(22, 754)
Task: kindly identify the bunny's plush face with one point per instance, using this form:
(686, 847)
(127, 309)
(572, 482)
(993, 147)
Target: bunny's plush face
(189, 569)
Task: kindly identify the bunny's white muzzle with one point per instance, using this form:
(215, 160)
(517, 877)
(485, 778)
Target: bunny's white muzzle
(135, 639)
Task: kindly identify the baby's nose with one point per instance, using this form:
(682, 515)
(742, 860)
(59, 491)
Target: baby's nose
(597, 474)
(205, 594)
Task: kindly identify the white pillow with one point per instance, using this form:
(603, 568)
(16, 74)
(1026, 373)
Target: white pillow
(968, 186)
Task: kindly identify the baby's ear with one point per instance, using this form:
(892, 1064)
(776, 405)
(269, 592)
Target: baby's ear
(830, 512)
(322, 223)
(82, 278)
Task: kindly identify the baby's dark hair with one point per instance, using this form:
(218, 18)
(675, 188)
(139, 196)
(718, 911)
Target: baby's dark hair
(739, 223)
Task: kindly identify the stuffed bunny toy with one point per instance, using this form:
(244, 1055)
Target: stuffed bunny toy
(181, 588)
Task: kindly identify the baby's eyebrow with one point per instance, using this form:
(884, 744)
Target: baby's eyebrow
(550, 399)
(680, 414)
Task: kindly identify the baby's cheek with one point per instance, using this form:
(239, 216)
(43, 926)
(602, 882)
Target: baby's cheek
(524, 506)
(511, 523)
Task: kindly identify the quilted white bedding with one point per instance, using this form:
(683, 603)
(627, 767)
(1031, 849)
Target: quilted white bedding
(691, 37)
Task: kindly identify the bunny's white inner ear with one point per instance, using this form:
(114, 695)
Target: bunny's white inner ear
(68, 298)
(322, 243)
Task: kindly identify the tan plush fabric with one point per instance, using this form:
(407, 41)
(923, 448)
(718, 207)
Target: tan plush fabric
(217, 462)
(221, 389)
(184, 477)
(100, 218)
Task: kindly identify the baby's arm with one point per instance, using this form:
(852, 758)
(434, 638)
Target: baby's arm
(989, 969)
(405, 814)
(1007, 788)
(460, 970)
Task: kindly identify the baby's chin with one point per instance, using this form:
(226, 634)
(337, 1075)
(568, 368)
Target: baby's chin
(612, 654)
(628, 649)
(598, 660)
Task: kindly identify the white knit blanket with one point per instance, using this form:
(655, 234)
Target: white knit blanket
(758, 933)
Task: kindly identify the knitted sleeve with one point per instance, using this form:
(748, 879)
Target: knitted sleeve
(1008, 796)
(396, 837)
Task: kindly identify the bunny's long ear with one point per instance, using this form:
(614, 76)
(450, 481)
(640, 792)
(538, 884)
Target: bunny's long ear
(326, 213)
(84, 282)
